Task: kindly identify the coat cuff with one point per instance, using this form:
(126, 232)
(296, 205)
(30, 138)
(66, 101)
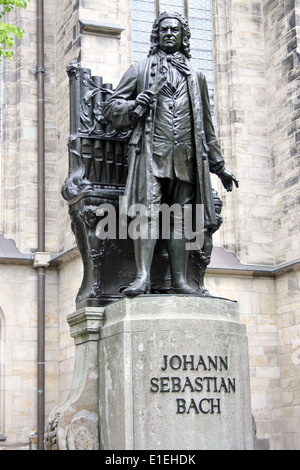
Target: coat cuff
(120, 113)
(216, 161)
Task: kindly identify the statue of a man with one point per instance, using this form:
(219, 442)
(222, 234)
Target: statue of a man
(173, 146)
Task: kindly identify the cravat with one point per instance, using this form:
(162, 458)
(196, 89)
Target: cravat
(171, 64)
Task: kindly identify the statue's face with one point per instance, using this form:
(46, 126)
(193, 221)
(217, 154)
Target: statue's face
(170, 35)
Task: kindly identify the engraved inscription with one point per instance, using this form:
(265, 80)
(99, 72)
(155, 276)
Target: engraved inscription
(204, 378)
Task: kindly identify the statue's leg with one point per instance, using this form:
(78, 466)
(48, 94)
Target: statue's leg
(178, 256)
(202, 263)
(143, 252)
(144, 249)
(181, 194)
(203, 259)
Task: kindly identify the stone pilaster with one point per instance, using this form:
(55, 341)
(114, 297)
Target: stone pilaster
(74, 424)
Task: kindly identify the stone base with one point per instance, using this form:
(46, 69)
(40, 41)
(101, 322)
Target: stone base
(74, 425)
(174, 374)
(165, 372)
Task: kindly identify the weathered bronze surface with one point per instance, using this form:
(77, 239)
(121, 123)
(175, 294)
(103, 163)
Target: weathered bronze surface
(173, 147)
(153, 141)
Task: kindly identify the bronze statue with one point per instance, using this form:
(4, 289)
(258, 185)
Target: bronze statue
(173, 146)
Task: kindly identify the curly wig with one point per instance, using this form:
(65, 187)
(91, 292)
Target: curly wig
(186, 34)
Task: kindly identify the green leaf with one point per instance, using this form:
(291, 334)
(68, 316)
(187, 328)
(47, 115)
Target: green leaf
(8, 30)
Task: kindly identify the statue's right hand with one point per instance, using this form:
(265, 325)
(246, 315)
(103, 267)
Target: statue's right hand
(145, 98)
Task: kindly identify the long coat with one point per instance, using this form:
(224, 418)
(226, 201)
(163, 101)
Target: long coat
(118, 111)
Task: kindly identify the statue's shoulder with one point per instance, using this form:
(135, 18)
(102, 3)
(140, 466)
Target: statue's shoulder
(143, 64)
(137, 69)
(200, 75)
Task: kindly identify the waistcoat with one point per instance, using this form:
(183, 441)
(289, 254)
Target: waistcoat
(173, 146)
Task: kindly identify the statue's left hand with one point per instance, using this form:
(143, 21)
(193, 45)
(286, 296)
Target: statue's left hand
(228, 179)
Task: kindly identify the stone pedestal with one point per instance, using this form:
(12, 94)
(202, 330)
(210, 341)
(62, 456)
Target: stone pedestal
(165, 372)
(74, 425)
(174, 375)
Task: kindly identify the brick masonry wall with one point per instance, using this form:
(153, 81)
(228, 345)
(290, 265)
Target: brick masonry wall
(281, 26)
(257, 305)
(108, 55)
(68, 48)
(19, 121)
(288, 314)
(283, 78)
(257, 110)
(241, 121)
(18, 334)
(19, 210)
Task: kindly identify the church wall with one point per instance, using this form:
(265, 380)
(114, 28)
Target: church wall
(18, 202)
(19, 135)
(18, 366)
(68, 48)
(288, 314)
(281, 26)
(241, 121)
(257, 109)
(257, 305)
